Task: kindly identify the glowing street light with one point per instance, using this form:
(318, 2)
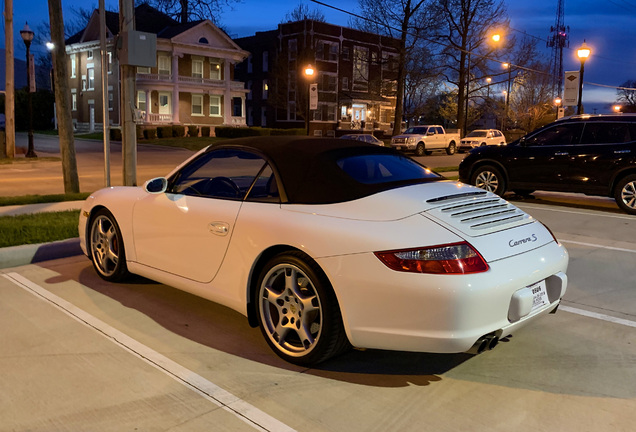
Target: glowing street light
(583, 53)
(309, 73)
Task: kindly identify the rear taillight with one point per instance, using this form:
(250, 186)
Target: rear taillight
(456, 258)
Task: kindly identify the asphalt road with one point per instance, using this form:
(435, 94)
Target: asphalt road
(82, 354)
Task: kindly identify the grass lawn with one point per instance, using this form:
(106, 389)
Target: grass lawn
(37, 199)
(38, 228)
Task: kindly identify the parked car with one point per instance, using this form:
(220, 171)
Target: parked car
(363, 137)
(590, 154)
(481, 137)
(424, 139)
(327, 243)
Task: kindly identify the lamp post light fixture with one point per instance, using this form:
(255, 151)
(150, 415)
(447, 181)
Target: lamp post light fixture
(507, 93)
(583, 53)
(309, 72)
(557, 104)
(617, 108)
(27, 36)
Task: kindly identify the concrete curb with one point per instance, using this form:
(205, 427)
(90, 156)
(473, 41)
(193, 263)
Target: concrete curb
(16, 256)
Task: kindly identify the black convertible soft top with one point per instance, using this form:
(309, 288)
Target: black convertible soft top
(309, 171)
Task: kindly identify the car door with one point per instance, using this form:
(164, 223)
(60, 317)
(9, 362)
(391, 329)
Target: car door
(186, 230)
(540, 161)
(604, 148)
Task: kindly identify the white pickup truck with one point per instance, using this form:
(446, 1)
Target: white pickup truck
(424, 139)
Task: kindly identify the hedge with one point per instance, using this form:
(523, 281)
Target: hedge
(164, 131)
(193, 131)
(178, 131)
(205, 131)
(233, 132)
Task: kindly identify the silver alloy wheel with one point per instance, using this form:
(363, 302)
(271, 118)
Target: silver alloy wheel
(628, 194)
(487, 180)
(291, 310)
(105, 245)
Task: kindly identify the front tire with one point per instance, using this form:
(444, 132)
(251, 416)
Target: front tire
(489, 178)
(420, 150)
(298, 311)
(106, 247)
(625, 194)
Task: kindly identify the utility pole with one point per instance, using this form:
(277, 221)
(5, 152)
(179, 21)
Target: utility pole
(9, 98)
(63, 99)
(127, 106)
(105, 116)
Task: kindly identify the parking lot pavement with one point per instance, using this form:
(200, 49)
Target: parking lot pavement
(66, 370)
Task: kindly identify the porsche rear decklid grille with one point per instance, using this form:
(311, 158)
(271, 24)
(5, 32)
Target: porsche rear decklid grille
(477, 213)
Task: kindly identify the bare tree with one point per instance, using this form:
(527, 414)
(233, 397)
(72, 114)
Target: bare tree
(191, 10)
(531, 102)
(468, 27)
(626, 95)
(408, 22)
(302, 12)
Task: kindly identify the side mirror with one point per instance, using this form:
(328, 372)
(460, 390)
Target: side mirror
(156, 185)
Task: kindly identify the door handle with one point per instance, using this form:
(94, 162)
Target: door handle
(219, 228)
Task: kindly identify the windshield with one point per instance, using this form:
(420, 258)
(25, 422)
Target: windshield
(416, 131)
(477, 134)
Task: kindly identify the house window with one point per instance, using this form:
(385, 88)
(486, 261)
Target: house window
(164, 65)
(74, 101)
(237, 107)
(165, 99)
(264, 117)
(197, 105)
(215, 69)
(141, 101)
(345, 53)
(110, 101)
(327, 83)
(265, 61)
(203, 41)
(265, 89)
(90, 72)
(73, 65)
(89, 54)
(292, 111)
(249, 64)
(327, 51)
(360, 69)
(143, 70)
(345, 83)
(215, 106)
(197, 68)
(292, 49)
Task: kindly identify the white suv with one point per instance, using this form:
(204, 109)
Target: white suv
(481, 137)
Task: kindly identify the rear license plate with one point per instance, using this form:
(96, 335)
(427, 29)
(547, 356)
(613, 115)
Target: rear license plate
(539, 296)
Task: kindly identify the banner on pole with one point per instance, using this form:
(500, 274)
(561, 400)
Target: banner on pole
(313, 96)
(571, 89)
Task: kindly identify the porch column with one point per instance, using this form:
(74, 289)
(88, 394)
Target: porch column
(148, 106)
(175, 88)
(227, 95)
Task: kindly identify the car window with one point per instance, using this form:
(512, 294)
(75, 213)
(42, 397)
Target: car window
(476, 134)
(439, 130)
(384, 168)
(221, 173)
(265, 187)
(562, 134)
(606, 133)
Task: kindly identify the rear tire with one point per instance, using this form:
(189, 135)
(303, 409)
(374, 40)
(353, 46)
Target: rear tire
(625, 194)
(298, 311)
(489, 178)
(450, 150)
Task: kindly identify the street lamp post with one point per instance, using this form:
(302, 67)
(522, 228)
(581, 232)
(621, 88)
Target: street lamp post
(583, 52)
(309, 73)
(507, 102)
(557, 104)
(27, 36)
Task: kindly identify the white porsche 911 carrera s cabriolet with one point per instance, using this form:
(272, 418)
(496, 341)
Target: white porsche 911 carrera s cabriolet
(327, 244)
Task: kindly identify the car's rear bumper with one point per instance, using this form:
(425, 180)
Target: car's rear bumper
(386, 309)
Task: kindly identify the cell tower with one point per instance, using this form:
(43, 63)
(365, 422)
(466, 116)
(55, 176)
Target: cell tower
(559, 38)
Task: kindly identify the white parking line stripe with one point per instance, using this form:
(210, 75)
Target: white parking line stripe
(598, 246)
(603, 317)
(243, 410)
(587, 213)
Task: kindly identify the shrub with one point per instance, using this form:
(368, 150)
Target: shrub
(205, 131)
(193, 131)
(233, 132)
(164, 131)
(178, 131)
(115, 134)
(150, 133)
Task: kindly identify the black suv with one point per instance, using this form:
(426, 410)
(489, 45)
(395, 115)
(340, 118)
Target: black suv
(591, 154)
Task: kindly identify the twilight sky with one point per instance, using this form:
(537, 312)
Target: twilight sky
(608, 26)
